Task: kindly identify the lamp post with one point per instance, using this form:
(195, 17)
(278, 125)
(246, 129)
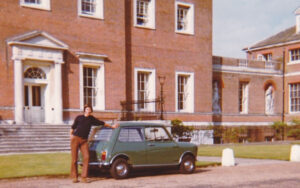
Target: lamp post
(161, 82)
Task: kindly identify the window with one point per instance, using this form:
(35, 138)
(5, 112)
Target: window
(91, 77)
(38, 4)
(89, 85)
(243, 97)
(156, 134)
(295, 55)
(131, 135)
(267, 57)
(144, 13)
(184, 18)
(34, 73)
(185, 92)
(91, 8)
(145, 89)
(295, 97)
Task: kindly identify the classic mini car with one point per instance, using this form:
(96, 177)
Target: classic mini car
(138, 144)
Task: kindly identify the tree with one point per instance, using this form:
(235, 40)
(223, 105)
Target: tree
(279, 128)
(178, 129)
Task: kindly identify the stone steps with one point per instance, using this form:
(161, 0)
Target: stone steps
(34, 138)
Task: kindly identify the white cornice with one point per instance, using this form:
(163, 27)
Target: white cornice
(246, 70)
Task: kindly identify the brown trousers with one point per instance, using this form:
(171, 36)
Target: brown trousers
(82, 144)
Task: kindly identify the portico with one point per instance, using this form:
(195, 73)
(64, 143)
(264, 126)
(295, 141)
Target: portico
(37, 59)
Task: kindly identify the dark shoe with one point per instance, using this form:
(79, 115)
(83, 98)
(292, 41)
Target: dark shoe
(84, 180)
(75, 180)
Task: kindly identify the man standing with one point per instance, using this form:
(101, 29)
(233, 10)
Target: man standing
(79, 140)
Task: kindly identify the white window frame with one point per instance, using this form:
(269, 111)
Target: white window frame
(290, 56)
(290, 99)
(244, 99)
(96, 62)
(189, 17)
(150, 107)
(150, 24)
(43, 5)
(99, 10)
(189, 105)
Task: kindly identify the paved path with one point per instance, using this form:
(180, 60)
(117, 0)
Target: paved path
(276, 175)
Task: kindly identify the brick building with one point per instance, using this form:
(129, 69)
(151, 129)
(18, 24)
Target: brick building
(283, 47)
(56, 56)
(140, 60)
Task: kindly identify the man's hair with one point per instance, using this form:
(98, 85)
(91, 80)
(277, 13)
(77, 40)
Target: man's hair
(87, 106)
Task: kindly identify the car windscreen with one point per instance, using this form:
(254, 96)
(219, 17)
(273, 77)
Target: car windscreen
(103, 134)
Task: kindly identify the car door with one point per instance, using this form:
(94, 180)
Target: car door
(161, 149)
(131, 142)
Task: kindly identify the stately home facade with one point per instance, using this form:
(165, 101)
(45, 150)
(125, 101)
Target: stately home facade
(56, 56)
(136, 60)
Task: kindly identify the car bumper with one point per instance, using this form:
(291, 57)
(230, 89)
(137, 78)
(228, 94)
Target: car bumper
(98, 164)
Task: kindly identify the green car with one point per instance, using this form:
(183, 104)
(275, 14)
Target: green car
(136, 145)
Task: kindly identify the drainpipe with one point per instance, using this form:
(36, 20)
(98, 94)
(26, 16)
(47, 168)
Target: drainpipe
(283, 85)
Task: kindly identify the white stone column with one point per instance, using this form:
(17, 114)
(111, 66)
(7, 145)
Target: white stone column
(58, 111)
(18, 91)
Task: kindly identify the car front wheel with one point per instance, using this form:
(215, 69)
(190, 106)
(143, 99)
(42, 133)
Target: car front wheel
(187, 165)
(119, 169)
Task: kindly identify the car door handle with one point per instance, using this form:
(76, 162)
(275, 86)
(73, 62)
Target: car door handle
(150, 144)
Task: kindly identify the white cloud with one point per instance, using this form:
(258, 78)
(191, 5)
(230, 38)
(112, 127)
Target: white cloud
(241, 23)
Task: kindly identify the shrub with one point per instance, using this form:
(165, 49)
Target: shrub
(178, 129)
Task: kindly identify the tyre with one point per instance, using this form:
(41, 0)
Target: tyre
(187, 165)
(119, 169)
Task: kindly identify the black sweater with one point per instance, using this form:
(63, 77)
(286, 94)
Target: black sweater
(82, 125)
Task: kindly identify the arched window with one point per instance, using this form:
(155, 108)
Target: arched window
(35, 73)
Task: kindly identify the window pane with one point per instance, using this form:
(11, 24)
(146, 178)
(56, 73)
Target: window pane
(156, 134)
(131, 135)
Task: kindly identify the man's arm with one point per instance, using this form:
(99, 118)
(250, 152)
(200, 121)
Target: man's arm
(71, 133)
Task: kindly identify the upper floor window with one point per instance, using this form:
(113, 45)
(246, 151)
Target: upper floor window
(91, 8)
(185, 92)
(243, 97)
(295, 97)
(295, 55)
(267, 57)
(39, 4)
(184, 18)
(145, 89)
(144, 13)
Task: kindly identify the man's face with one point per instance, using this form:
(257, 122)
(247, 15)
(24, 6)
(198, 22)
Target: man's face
(88, 111)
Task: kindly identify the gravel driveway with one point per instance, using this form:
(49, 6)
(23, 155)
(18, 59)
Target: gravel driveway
(258, 175)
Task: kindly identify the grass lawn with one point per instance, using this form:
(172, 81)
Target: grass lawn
(28, 165)
(267, 151)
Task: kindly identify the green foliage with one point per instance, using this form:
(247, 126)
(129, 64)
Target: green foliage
(279, 128)
(294, 132)
(296, 122)
(178, 129)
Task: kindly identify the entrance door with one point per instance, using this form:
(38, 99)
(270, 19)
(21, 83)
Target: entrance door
(34, 104)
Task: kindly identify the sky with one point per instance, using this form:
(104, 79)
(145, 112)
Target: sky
(241, 23)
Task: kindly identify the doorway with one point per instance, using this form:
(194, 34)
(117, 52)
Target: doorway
(34, 103)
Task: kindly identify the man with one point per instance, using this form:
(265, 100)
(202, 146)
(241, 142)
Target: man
(79, 140)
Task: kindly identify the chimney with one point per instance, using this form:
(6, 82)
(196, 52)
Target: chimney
(297, 14)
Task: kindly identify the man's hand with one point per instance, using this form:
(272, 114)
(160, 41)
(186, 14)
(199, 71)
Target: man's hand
(115, 125)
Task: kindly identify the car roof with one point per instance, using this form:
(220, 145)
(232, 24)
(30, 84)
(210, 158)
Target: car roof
(140, 123)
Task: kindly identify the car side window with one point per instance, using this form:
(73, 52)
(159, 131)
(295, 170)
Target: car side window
(129, 134)
(156, 134)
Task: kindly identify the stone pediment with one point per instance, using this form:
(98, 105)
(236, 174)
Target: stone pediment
(37, 39)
